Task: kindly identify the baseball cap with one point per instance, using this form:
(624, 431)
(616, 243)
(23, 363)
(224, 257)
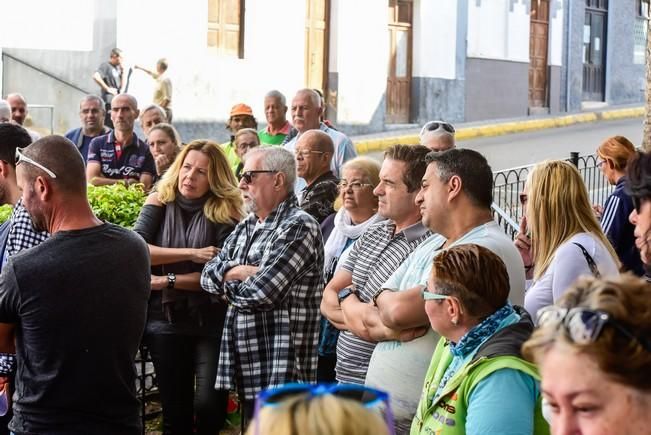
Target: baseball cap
(241, 109)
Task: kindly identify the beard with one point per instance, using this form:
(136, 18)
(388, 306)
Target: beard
(250, 206)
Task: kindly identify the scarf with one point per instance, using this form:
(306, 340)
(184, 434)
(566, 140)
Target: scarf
(343, 230)
(185, 226)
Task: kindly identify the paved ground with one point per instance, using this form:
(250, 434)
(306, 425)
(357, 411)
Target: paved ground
(520, 149)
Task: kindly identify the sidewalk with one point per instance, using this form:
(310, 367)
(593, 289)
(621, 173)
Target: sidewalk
(464, 131)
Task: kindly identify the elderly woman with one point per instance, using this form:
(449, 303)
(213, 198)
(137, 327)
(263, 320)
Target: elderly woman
(594, 355)
(560, 238)
(476, 367)
(164, 144)
(614, 155)
(185, 222)
(357, 210)
(245, 139)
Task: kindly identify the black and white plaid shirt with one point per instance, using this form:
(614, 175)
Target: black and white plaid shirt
(271, 329)
(22, 234)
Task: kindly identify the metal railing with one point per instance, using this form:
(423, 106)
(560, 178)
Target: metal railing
(509, 183)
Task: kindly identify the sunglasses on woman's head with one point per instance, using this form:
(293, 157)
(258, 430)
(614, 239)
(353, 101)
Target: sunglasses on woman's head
(584, 326)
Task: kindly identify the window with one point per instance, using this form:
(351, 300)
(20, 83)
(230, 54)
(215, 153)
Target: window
(226, 27)
(642, 8)
(640, 31)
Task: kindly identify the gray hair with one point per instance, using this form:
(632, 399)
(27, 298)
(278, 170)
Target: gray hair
(314, 96)
(5, 110)
(94, 98)
(160, 110)
(278, 95)
(278, 159)
(247, 130)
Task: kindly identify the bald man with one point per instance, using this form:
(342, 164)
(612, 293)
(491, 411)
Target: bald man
(19, 112)
(120, 156)
(314, 151)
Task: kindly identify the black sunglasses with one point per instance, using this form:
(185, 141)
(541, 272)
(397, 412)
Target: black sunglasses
(248, 175)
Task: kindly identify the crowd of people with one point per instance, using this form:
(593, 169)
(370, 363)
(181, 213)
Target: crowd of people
(280, 260)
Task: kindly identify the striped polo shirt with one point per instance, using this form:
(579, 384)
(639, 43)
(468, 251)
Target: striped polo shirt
(372, 260)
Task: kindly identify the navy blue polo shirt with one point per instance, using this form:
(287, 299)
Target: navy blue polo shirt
(134, 161)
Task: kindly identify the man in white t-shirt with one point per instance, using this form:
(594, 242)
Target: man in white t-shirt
(455, 203)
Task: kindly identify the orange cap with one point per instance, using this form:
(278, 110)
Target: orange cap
(241, 109)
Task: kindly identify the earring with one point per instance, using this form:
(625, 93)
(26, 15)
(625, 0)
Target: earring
(455, 321)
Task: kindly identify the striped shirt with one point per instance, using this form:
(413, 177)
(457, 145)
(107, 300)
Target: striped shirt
(372, 260)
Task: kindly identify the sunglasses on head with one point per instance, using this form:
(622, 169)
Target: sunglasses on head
(367, 397)
(248, 175)
(20, 157)
(437, 125)
(584, 326)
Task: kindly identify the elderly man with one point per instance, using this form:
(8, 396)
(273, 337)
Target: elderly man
(245, 140)
(241, 117)
(91, 115)
(150, 116)
(19, 112)
(372, 260)
(455, 203)
(110, 78)
(437, 135)
(314, 152)
(275, 111)
(78, 324)
(120, 156)
(270, 271)
(306, 115)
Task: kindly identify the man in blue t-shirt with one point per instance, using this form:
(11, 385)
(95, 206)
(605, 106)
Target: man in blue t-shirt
(120, 156)
(91, 115)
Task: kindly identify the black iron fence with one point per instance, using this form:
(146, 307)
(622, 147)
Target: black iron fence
(509, 183)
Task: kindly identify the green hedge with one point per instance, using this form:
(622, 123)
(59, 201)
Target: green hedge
(116, 203)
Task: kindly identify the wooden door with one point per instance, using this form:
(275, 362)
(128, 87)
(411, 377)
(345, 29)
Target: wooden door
(399, 76)
(316, 44)
(538, 53)
(594, 50)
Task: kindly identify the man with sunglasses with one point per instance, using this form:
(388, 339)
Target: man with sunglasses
(78, 324)
(313, 154)
(270, 271)
(437, 135)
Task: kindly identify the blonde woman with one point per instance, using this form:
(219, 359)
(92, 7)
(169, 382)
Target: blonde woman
(560, 238)
(185, 222)
(594, 355)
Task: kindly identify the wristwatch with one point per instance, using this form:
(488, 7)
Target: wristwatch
(343, 294)
(171, 280)
(377, 293)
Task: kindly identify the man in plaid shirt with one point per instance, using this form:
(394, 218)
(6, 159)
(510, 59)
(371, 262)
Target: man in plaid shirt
(270, 272)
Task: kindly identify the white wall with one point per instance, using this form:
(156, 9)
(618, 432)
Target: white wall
(557, 10)
(498, 29)
(360, 54)
(435, 39)
(207, 84)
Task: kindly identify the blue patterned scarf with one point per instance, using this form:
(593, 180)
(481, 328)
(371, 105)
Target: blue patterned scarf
(480, 332)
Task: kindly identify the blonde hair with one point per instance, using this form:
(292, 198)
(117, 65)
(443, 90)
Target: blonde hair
(225, 202)
(557, 209)
(627, 299)
(369, 167)
(321, 415)
(618, 149)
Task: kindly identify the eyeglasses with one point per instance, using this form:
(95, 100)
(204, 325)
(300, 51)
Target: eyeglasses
(355, 185)
(20, 157)
(437, 125)
(429, 296)
(367, 397)
(523, 199)
(306, 153)
(600, 162)
(248, 175)
(584, 326)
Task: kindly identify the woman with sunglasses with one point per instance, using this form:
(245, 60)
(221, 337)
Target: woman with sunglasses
(321, 410)
(477, 381)
(356, 211)
(560, 238)
(195, 207)
(594, 355)
(614, 154)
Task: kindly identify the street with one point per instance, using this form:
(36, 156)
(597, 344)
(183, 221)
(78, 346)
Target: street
(520, 149)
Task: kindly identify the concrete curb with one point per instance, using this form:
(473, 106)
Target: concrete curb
(499, 129)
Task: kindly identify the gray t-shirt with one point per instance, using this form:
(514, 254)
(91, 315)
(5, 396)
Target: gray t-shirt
(79, 303)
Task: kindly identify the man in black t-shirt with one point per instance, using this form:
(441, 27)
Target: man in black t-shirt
(110, 78)
(77, 302)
